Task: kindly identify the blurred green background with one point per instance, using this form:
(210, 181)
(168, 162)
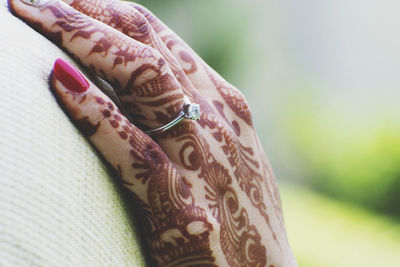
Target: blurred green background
(322, 79)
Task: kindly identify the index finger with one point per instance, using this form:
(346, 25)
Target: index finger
(143, 81)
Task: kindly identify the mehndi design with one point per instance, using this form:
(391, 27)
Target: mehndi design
(204, 190)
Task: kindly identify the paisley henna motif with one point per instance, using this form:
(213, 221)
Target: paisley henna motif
(137, 23)
(211, 189)
(116, 14)
(241, 158)
(176, 230)
(240, 240)
(138, 71)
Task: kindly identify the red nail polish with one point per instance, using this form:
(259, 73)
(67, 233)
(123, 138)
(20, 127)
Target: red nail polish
(69, 76)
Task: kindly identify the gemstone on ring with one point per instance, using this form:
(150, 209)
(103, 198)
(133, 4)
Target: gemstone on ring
(192, 111)
(189, 111)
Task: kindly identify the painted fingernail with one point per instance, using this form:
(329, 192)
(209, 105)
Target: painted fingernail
(69, 76)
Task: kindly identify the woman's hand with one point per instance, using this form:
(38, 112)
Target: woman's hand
(204, 190)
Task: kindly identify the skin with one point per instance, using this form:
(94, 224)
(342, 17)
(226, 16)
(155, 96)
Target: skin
(204, 190)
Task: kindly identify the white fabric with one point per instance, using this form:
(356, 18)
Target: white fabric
(59, 206)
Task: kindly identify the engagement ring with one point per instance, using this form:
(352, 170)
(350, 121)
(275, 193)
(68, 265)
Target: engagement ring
(189, 111)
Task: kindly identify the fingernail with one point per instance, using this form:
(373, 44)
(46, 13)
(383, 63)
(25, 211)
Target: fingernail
(36, 3)
(69, 76)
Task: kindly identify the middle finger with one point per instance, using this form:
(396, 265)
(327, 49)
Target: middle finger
(124, 17)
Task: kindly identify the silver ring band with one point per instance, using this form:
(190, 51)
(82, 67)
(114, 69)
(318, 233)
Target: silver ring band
(189, 111)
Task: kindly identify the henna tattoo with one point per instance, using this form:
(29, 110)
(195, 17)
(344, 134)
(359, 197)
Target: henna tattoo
(176, 229)
(117, 49)
(83, 124)
(167, 203)
(123, 50)
(118, 15)
(155, 23)
(234, 125)
(186, 57)
(240, 158)
(232, 96)
(139, 24)
(239, 239)
(86, 126)
(153, 79)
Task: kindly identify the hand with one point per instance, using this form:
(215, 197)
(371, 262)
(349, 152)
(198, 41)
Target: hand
(204, 189)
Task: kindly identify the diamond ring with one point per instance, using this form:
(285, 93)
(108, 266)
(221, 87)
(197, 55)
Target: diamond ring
(189, 111)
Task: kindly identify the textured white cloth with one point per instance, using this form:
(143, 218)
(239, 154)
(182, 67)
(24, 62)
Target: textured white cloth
(59, 205)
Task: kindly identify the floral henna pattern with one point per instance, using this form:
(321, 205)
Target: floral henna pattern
(117, 15)
(138, 72)
(244, 162)
(189, 62)
(239, 239)
(132, 20)
(176, 230)
(217, 154)
(249, 169)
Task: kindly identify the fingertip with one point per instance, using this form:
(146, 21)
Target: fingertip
(69, 87)
(69, 76)
(27, 10)
(11, 7)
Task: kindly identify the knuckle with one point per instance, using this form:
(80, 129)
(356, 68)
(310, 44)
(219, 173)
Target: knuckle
(141, 9)
(155, 23)
(233, 98)
(237, 103)
(154, 90)
(130, 21)
(149, 71)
